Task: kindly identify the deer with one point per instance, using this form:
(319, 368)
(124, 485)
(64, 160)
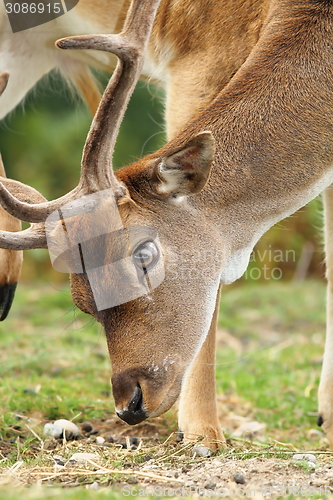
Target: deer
(257, 151)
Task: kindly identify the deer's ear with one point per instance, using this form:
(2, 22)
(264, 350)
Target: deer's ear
(186, 170)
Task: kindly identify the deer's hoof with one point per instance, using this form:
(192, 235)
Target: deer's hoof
(212, 437)
(7, 293)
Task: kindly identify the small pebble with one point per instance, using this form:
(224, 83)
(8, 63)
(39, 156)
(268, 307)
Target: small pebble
(210, 486)
(68, 426)
(93, 432)
(132, 480)
(29, 391)
(180, 437)
(108, 437)
(59, 460)
(83, 457)
(308, 457)
(249, 430)
(93, 486)
(52, 430)
(100, 440)
(239, 478)
(201, 451)
(86, 426)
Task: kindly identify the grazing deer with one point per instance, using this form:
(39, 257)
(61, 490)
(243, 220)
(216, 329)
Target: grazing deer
(253, 155)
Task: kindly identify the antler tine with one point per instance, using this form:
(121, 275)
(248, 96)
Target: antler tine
(96, 168)
(130, 47)
(3, 81)
(29, 239)
(34, 212)
(2, 168)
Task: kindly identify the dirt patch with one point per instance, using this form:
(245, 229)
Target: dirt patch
(148, 459)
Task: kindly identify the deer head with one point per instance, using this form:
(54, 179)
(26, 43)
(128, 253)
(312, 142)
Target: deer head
(122, 236)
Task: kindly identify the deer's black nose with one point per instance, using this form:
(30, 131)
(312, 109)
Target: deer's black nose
(134, 412)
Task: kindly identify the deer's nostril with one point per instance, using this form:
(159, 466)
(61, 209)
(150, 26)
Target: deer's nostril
(136, 402)
(134, 413)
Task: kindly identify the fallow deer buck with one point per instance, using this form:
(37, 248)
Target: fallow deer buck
(271, 128)
(193, 60)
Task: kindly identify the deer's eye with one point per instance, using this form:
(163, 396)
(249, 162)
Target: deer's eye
(146, 255)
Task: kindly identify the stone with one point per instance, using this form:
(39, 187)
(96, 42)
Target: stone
(52, 430)
(69, 427)
(250, 430)
(308, 457)
(94, 486)
(239, 478)
(84, 457)
(201, 451)
(86, 426)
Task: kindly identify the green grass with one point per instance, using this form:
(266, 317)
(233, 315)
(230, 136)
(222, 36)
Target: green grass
(42, 493)
(276, 371)
(48, 345)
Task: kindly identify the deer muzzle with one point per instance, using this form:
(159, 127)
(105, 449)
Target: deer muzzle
(140, 393)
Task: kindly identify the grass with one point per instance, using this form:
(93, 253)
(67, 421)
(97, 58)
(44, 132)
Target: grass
(48, 346)
(54, 364)
(281, 329)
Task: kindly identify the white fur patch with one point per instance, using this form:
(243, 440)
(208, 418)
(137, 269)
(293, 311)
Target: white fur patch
(238, 260)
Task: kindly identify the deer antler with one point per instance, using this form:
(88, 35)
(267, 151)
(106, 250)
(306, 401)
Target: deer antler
(3, 81)
(96, 167)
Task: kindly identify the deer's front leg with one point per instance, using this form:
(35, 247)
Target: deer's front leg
(10, 261)
(10, 269)
(326, 382)
(197, 405)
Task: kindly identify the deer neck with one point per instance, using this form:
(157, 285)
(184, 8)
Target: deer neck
(273, 126)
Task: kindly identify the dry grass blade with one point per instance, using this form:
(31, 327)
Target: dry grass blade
(287, 445)
(34, 434)
(103, 472)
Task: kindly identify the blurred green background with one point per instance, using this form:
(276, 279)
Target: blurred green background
(41, 143)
